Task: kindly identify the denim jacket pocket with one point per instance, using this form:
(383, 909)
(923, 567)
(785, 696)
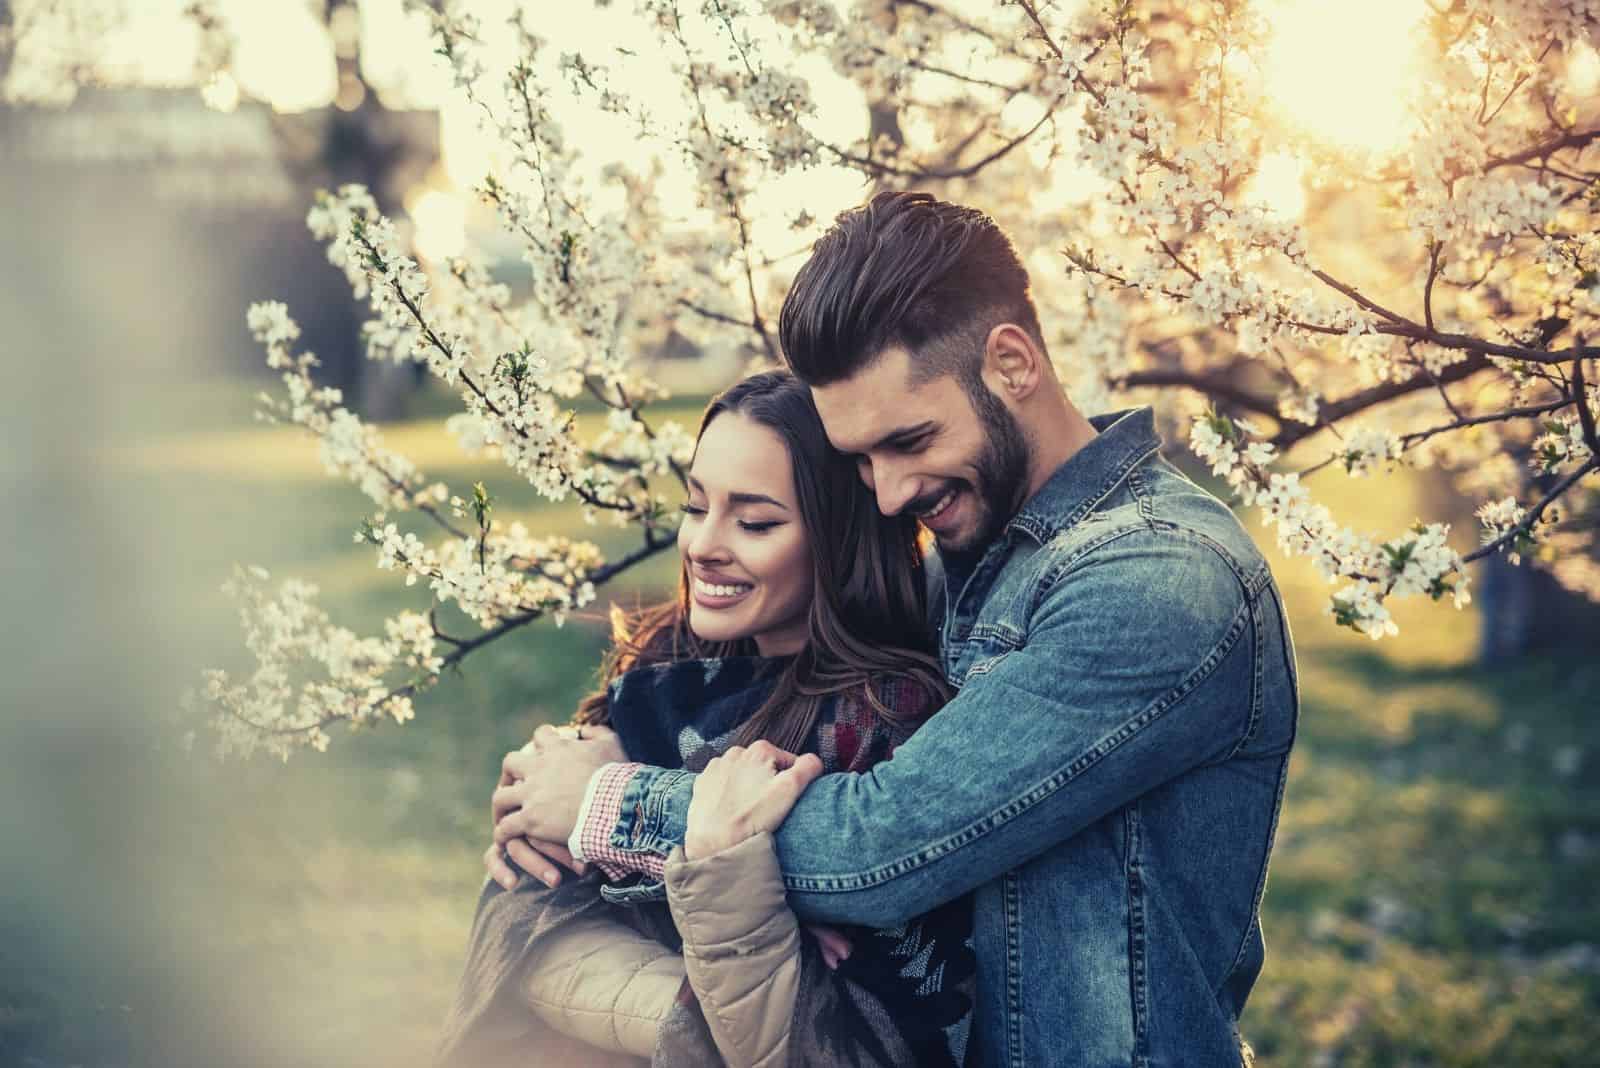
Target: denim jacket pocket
(981, 650)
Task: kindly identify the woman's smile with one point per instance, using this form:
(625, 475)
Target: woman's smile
(720, 593)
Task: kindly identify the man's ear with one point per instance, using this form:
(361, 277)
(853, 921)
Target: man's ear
(1013, 365)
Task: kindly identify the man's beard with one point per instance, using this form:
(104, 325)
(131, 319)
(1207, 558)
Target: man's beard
(1001, 470)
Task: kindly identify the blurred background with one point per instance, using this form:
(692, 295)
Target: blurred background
(1431, 899)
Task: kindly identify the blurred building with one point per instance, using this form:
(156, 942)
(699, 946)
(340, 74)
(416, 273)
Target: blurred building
(171, 217)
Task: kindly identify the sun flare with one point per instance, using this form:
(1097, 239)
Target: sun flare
(1343, 72)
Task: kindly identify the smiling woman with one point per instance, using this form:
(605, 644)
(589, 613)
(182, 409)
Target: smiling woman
(742, 541)
(784, 554)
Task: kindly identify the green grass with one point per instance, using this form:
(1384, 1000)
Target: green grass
(1430, 902)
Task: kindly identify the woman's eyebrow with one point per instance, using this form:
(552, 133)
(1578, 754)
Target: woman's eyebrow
(741, 498)
(756, 498)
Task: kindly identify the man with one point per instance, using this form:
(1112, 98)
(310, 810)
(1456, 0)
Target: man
(1108, 778)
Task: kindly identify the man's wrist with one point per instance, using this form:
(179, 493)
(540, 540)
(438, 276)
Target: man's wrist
(597, 815)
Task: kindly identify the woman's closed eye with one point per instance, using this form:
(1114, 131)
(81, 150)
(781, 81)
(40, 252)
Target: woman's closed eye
(751, 526)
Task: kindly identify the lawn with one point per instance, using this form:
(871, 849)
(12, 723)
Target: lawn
(1430, 902)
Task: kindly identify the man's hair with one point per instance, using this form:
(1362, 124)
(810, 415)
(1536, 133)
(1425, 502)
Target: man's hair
(904, 270)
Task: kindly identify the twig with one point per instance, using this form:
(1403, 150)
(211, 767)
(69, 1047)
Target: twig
(1580, 394)
(1535, 513)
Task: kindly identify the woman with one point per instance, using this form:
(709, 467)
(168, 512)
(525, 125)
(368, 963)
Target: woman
(799, 620)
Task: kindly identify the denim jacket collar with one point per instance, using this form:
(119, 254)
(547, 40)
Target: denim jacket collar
(1126, 438)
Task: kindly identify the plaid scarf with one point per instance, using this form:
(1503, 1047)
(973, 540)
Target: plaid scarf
(904, 995)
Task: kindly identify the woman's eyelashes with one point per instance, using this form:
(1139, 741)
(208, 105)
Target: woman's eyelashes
(748, 525)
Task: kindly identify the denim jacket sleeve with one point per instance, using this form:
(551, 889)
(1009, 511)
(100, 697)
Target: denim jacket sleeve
(1135, 668)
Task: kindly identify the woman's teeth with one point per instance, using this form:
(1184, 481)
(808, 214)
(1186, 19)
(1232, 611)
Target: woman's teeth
(714, 590)
(944, 502)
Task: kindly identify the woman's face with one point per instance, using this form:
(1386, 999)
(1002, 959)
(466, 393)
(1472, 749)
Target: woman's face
(743, 543)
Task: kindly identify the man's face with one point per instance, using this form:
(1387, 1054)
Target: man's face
(960, 467)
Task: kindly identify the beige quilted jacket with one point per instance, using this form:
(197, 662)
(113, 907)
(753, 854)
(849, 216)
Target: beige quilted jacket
(601, 982)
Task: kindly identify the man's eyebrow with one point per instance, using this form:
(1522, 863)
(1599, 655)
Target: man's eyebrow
(903, 434)
(740, 498)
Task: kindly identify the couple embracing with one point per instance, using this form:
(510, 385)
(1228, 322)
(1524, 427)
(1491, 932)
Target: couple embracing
(1007, 800)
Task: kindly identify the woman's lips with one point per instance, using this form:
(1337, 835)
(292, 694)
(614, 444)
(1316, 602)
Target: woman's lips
(719, 594)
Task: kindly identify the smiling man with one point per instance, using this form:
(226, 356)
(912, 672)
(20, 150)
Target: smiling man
(1109, 775)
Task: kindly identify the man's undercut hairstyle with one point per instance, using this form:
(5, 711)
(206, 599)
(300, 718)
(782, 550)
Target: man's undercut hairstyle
(910, 271)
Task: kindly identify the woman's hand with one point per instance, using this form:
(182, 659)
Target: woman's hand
(744, 792)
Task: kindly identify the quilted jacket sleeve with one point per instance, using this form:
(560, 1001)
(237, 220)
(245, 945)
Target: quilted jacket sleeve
(741, 948)
(599, 981)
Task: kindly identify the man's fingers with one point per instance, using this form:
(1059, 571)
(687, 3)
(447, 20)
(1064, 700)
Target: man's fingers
(802, 771)
(558, 852)
(532, 862)
(505, 799)
(783, 759)
(495, 863)
(509, 827)
(515, 764)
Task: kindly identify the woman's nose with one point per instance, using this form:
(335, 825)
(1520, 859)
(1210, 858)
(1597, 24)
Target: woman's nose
(707, 543)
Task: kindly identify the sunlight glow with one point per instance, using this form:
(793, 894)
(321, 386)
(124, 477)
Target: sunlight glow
(284, 56)
(441, 225)
(1341, 72)
(221, 93)
(1583, 68)
(1279, 184)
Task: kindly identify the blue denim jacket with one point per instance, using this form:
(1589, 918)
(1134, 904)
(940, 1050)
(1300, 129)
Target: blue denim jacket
(1107, 780)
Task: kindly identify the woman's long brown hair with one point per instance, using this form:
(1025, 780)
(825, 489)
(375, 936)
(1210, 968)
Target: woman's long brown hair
(868, 608)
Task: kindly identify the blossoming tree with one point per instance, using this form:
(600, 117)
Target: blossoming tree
(1416, 287)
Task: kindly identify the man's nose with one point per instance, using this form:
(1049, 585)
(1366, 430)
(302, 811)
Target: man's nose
(892, 488)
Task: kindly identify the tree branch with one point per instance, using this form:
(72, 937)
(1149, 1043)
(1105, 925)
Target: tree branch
(1333, 411)
(1580, 394)
(1535, 513)
(1575, 139)
(1209, 385)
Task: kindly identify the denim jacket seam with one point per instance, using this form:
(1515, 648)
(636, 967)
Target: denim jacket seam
(643, 809)
(1143, 499)
(1261, 874)
(1060, 566)
(1000, 629)
(1257, 684)
(836, 883)
(656, 807)
(628, 815)
(1138, 980)
(1272, 834)
(1011, 904)
(1042, 531)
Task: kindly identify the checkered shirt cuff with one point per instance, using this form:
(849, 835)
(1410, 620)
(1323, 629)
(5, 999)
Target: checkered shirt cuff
(598, 818)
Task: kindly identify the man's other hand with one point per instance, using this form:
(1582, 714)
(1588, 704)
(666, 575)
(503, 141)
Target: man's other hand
(535, 804)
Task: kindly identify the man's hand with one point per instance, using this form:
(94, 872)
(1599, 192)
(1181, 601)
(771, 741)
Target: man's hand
(552, 768)
(744, 792)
